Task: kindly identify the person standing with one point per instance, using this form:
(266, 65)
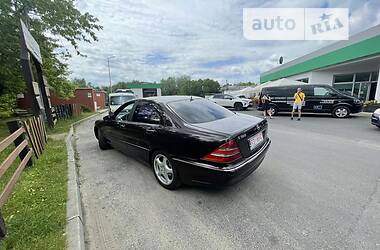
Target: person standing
(265, 99)
(299, 100)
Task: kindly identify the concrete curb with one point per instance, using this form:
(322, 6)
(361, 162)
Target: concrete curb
(74, 214)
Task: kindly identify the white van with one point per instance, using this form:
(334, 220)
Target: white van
(118, 99)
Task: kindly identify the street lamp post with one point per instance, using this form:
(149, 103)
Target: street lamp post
(109, 72)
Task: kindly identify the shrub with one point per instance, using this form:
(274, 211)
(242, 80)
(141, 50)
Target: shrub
(7, 105)
(370, 103)
(84, 108)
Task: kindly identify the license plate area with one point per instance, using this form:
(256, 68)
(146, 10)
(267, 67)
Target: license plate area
(255, 140)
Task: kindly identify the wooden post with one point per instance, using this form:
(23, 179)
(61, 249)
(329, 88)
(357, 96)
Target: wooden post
(13, 126)
(3, 229)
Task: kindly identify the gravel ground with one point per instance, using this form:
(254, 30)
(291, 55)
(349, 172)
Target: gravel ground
(318, 188)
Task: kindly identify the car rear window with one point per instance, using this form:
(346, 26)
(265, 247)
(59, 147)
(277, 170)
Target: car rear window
(199, 110)
(121, 99)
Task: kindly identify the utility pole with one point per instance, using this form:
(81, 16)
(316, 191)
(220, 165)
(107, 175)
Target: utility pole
(109, 72)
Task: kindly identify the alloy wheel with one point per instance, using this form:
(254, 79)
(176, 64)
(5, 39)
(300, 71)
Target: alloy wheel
(341, 112)
(163, 169)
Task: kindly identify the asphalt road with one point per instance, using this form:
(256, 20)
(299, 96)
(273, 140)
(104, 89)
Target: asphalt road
(318, 188)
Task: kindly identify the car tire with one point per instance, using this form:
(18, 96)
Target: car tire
(103, 144)
(273, 109)
(164, 170)
(341, 112)
(238, 106)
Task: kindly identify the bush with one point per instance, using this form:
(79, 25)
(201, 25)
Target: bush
(84, 108)
(370, 103)
(7, 105)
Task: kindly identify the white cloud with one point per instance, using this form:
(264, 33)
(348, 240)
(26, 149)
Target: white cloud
(191, 34)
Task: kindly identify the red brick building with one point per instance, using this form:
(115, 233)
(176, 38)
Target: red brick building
(88, 97)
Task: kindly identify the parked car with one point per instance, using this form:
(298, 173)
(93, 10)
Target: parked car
(117, 99)
(186, 139)
(229, 101)
(375, 119)
(124, 91)
(320, 98)
(244, 98)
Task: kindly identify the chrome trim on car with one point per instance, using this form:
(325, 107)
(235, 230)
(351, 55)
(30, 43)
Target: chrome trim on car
(134, 145)
(232, 168)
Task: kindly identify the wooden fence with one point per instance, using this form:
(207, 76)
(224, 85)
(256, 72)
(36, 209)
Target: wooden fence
(23, 152)
(36, 132)
(66, 111)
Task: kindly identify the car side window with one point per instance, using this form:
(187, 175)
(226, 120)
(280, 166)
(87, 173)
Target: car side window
(320, 91)
(218, 96)
(124, 113)
(228, 97)
(146, 112)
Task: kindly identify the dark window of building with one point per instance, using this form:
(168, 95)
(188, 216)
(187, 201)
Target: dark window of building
(362, 77)
(344, 78)
(374, 76)
(149, 92)
(345, 88)
(305, 80)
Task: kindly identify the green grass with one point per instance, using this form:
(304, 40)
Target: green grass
(35, 214)
(63, 125)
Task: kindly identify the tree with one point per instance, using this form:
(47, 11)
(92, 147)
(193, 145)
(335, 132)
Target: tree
(79, 82)
(183, 85)
(48, 21)
(169, 86)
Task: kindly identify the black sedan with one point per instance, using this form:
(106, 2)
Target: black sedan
(186, 139)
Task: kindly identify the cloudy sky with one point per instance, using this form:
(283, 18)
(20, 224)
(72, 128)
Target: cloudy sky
(155, 39)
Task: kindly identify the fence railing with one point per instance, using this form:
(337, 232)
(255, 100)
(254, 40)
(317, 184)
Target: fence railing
(36, 131)
(66, 111)
(36, 134)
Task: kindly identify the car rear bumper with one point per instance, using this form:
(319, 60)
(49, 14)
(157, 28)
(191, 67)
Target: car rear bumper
(196, 173)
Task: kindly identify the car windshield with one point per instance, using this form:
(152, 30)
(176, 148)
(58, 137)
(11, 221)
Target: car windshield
(199, 111)
(121, 99)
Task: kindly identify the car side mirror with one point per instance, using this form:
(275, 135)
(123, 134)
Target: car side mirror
(108, 117)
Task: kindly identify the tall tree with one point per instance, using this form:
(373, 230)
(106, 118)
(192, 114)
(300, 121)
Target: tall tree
(49, 22)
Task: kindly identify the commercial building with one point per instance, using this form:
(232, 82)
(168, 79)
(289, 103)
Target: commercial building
(145, 89)
(351, 66)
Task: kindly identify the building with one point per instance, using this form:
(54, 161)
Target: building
(87, 97)
(145, 89)
(351, 66)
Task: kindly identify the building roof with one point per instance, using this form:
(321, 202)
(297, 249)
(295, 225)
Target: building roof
(361, 45)
(143, 85)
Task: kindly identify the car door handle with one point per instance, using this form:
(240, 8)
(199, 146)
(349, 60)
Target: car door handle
(150, 131)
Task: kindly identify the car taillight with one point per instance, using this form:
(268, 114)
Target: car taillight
(226, 153)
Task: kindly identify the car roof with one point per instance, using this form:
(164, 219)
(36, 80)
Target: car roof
(171, 98)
